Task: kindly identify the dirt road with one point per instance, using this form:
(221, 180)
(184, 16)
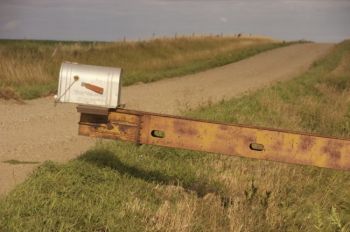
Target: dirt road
(39, 131)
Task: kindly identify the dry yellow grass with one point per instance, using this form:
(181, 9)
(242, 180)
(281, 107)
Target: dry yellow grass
(16, 73)
(31, 67)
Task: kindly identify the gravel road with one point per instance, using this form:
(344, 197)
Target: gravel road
(39, 131)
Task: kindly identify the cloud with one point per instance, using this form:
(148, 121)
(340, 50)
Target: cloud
(43, 4)
(11, 25)
(223, 19)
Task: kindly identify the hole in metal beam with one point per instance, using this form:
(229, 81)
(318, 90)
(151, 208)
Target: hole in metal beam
(256, 147)
(158, 134)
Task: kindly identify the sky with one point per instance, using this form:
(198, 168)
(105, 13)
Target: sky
(111, 20)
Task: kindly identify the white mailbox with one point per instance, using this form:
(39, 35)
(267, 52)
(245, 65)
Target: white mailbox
(89, 85)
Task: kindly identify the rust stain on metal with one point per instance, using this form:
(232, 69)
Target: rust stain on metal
(237, 140)
(278, 144)
(333, 148)
(182, 128)
(306, 143)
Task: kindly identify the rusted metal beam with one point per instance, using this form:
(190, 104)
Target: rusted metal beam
(200, 135)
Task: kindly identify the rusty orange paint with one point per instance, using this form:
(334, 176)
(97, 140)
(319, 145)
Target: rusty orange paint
(94, 88)
(228, 139)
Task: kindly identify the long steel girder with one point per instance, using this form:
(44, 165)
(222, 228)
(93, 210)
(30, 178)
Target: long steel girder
(200, 135)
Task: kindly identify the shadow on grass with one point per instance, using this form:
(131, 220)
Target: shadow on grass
(15, 162)
(106, 158)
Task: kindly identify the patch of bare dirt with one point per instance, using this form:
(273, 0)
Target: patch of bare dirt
(37, 130)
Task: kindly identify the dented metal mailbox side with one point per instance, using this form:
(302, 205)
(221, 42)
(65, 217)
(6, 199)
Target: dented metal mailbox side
(89, 85)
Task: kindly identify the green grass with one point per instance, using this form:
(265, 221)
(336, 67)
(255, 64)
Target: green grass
(29, 69)
(119, 186)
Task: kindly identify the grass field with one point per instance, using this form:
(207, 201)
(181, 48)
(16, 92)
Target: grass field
(122, 187)
(29, 69)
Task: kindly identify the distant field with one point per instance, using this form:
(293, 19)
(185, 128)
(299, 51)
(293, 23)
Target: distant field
(29, 69)
(122, 187)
